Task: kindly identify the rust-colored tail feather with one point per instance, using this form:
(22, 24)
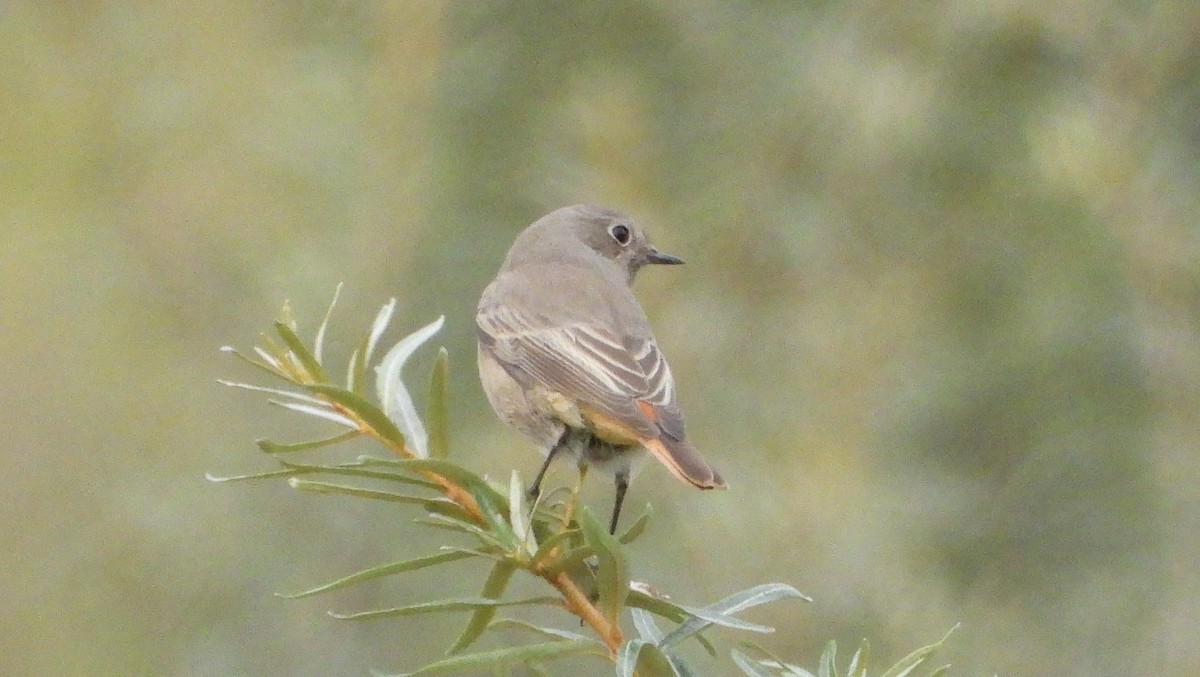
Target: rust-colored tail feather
(685, 462)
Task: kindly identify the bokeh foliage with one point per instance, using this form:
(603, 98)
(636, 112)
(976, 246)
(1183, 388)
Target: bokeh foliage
(939, 326)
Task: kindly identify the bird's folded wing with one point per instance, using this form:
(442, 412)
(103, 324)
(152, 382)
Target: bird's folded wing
(590, 365)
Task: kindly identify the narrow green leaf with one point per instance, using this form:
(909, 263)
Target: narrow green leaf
(858, 662)
(319, 342)
(509, 657)
(518, 515)
(940, 672)
(357, 470)
(254, 476)
(437, 412)
(627, 657)
(496, 521)
(382, 318)
(355, 370)
(642, 597)
(749, 666)
(446, 523)
(270, 366)
(828, 665)
(451, 471)
(721, 612)
(393, 394)
(637, 657)
(306, 358)
(656, 604)
(653, 662)
(447, 508)
(550, 633)
(726, 621)
(571, 559)
(915, 659)
(647, 629)
(612, 575)
(323, 410)
(773, 662)
(637, 527)
(548, 545)
(271, 391)
(267, 446)
(379, 572)
(369, 413)
(359, 492)
(465, 604)
(493, 588)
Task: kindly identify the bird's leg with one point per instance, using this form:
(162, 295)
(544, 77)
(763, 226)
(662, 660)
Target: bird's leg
(535, 489)
(622, 486)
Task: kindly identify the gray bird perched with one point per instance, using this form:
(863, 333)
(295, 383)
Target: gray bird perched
(566, 355)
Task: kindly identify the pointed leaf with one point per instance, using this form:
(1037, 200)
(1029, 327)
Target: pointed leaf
(319, 342)
(379, 572)
(493, 588)
(647, 629)
(356, 470)
(457, 474)
(749, 666)
(437, 411)
(356, 370)
(314, 369)
(322, 411)
(518, 515)
(720, 613)
(637, 527)
(491, 509)
(364, 410)
(215, 479)
(272, 391)
(726, 621)
(773, 662)
(551, 633)
(443, 506)
(914, 660)
(270, 366)
(681, 668)
(642, 596)
(828, 665)
(382, 318)
(858, 662)
(627, 657)
(656, 604)
(637, 657)
(612, 575)
(501, 658)
(359, 492)
(394, 397)
(464, 604)
(548, 546)
(269, 447)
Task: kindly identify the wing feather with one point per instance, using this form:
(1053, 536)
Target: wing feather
(589, 364)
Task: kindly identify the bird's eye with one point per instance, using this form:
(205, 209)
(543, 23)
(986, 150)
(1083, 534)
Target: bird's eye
(620, 233)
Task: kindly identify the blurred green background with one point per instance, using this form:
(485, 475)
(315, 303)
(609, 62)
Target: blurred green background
(939, 326)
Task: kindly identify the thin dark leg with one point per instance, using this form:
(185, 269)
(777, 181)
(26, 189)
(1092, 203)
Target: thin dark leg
(622, 485)
(535, 489)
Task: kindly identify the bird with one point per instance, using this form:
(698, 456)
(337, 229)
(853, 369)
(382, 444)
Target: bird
(567, 357)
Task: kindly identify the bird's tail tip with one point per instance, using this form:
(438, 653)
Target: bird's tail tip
(686, 463)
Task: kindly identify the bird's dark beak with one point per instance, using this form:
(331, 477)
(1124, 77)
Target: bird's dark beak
(656, 256)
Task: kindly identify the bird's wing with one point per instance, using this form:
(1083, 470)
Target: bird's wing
(623, 377)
